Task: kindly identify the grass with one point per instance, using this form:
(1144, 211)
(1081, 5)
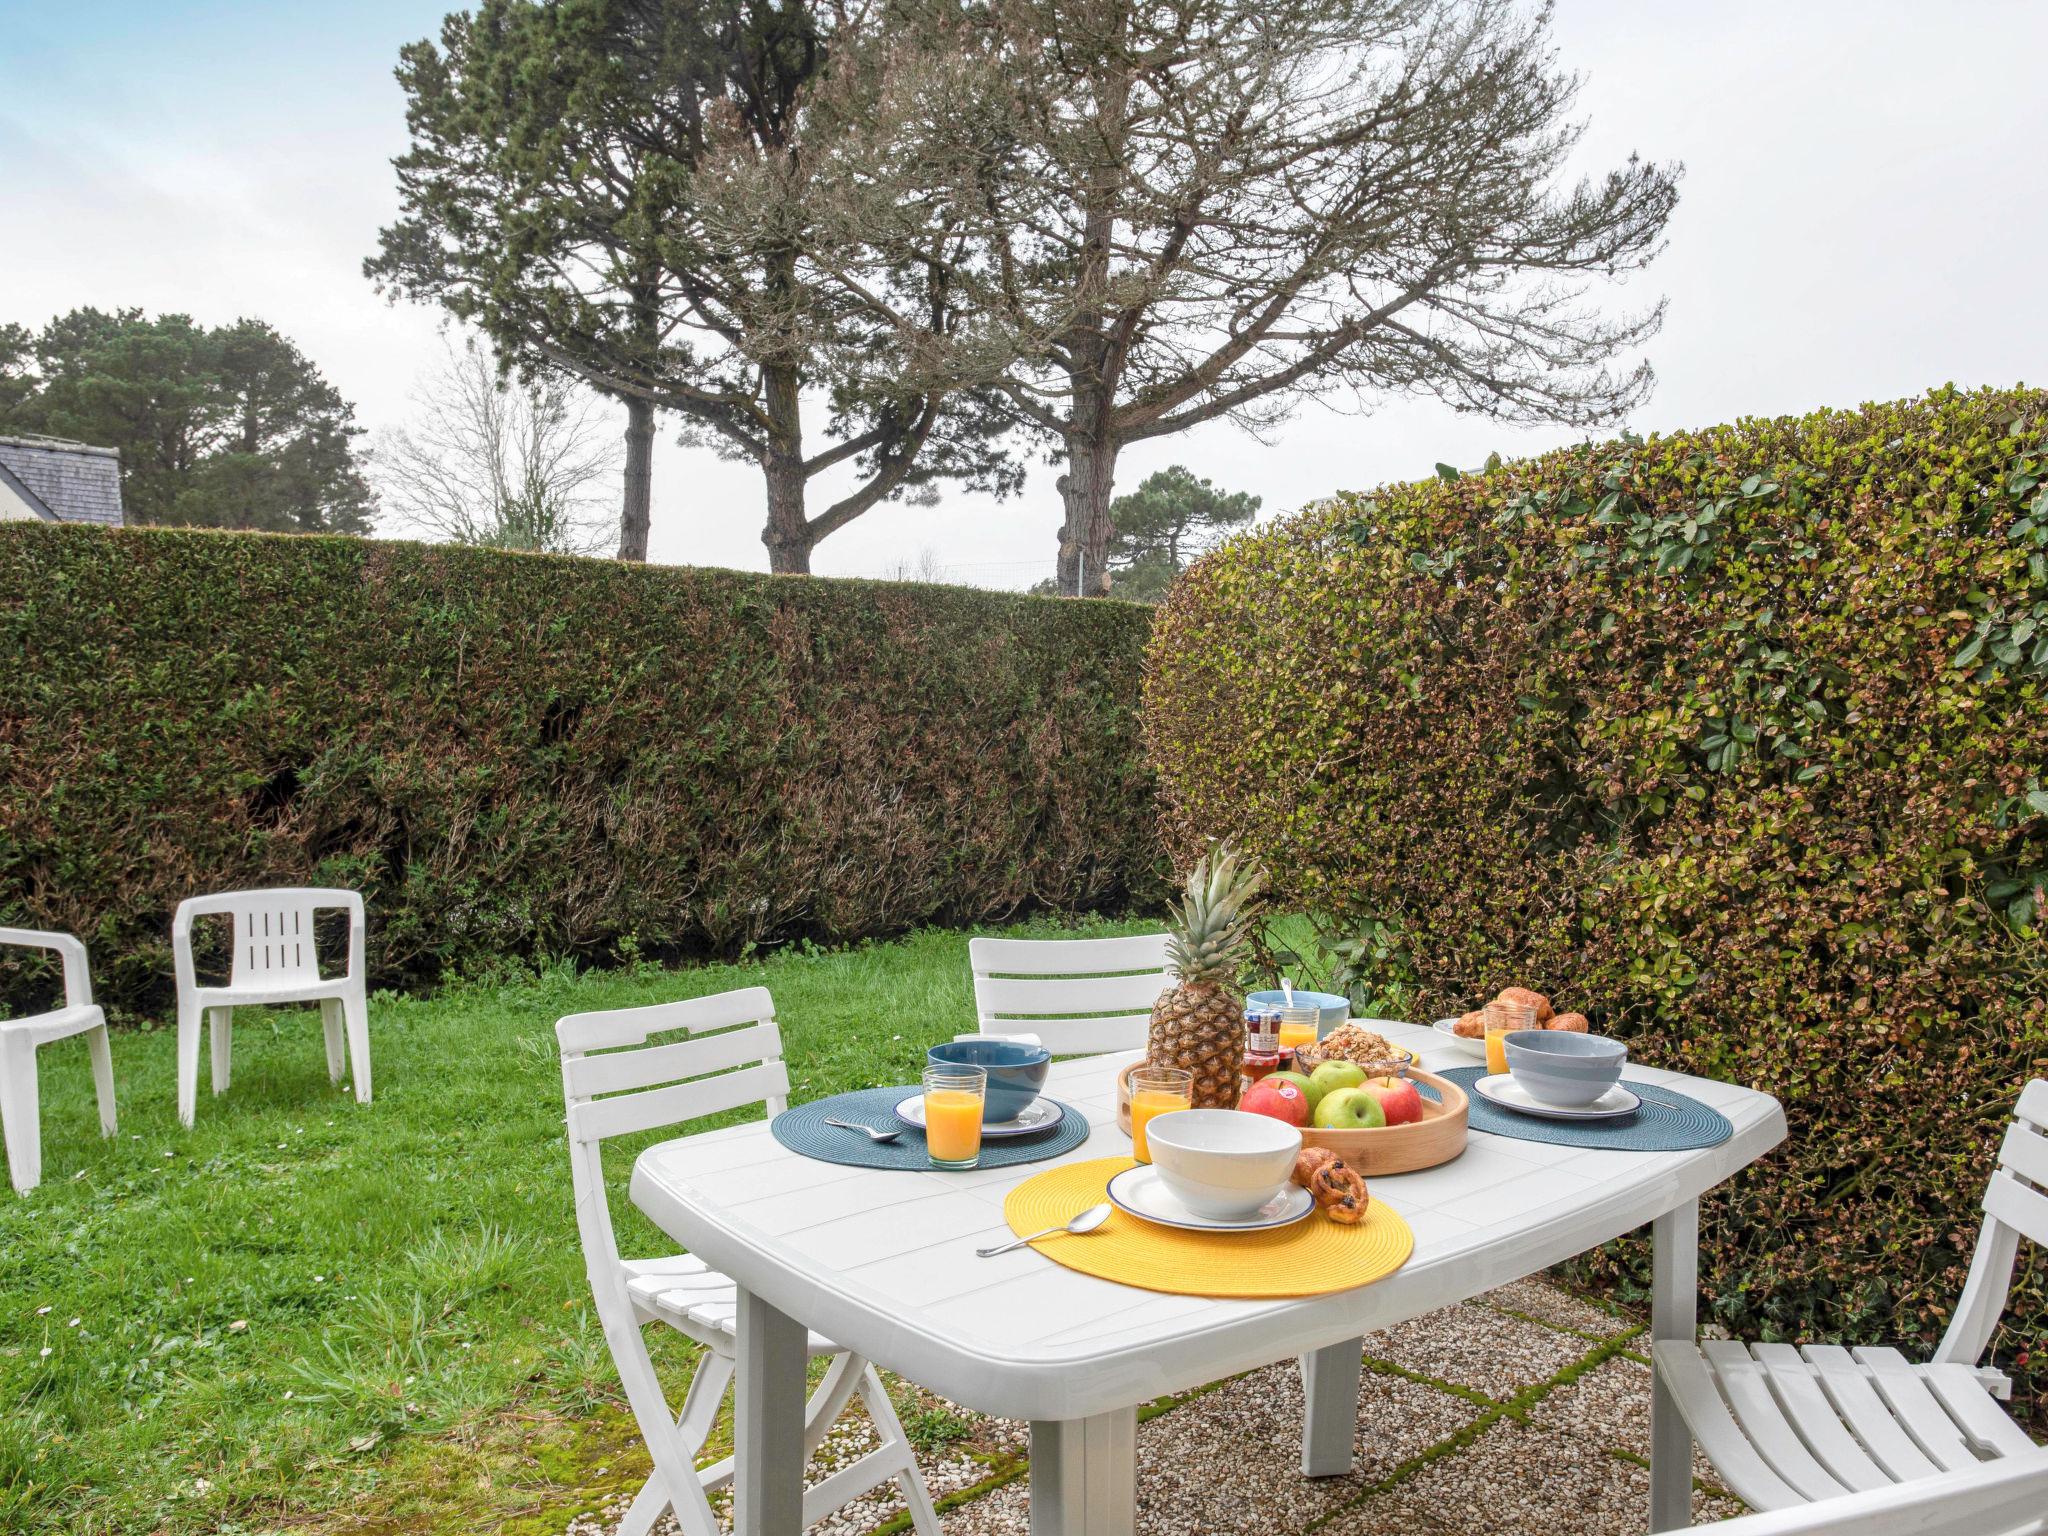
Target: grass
(312, 1315)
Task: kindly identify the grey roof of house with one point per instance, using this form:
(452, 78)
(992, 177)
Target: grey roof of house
(76, 482)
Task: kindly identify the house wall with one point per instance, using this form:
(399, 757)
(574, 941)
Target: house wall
(13, 508)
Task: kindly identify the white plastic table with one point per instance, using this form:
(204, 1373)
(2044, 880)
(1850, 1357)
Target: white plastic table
(883, 1262)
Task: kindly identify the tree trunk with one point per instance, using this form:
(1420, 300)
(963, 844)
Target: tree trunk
(638, 511)
(1085, 535)
(788, 534)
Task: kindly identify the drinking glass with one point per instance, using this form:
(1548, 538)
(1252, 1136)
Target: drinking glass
(1299, 1027)
(1502, 1020)
(1156, 1091)
(953, 1095)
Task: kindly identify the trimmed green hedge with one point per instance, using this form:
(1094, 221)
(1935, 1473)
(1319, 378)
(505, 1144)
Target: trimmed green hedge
(516, 754)
(1733, 740)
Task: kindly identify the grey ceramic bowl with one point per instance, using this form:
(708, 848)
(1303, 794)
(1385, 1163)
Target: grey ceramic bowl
(1016, 1072)
(1555, 1066)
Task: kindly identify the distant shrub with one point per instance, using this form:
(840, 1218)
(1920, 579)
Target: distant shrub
(1732, 739)
(517, 755)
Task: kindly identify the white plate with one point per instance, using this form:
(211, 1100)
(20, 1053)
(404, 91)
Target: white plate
(1447, 1028)
(1039, 1115)
(1140, 1192)
(1509, 1094)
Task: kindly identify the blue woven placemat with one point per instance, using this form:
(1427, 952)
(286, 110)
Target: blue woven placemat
(802, 1128)
(1653, 1128)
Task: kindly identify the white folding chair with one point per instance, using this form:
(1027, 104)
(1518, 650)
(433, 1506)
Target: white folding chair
(1996, 1498)
(20, 1099)
(273, 959)
(1078, 996)
(1790, 1426)
(616, 1084)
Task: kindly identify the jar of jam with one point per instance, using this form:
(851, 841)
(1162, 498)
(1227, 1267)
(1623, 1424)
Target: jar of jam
(1261, 1043)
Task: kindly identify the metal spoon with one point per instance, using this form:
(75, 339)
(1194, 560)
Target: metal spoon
(1087, 1221)
(884, 1137)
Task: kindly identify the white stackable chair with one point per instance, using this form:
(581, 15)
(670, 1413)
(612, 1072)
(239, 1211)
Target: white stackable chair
(20, 1101)
(273, 960)
(634, 1087)
(1998, 1498)
(1042, 987)
(1787, 1426)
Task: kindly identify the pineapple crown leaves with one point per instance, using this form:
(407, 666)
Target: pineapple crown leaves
(1210, 926)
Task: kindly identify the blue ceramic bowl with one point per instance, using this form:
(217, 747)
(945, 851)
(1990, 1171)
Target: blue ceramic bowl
(1559, 1067)
(1016, 1072)
(1335, 1009)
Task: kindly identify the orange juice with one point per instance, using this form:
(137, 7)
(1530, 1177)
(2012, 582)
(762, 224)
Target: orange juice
(952, 1124)
(1293, 1035)
(1502, 1020)
(1145, 1103)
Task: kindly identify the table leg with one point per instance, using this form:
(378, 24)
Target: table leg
(1329, 1422)
(1674, 1306)
(768, 1421)
(1084, 1475)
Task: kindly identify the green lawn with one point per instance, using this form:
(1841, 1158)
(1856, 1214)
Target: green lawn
(306, 1313)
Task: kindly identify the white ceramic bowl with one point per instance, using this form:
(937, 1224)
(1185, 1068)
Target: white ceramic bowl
(1222, 1163)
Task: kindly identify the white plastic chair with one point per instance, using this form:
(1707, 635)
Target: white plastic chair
(1079, 996)
(619, 1093)
(273, 960)
(1997, 1498)
(1789, 1426)
(20, 1099)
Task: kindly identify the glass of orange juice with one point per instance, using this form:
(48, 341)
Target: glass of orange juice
(1502, 1020)
(1299, 1027)
(953, 1097)
(1156, 1091)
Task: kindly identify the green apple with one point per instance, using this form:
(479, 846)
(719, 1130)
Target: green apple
(1332, 1075)
(1350, 1109)
(1308, 1085)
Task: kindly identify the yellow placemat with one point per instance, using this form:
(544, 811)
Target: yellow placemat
(1312, 1257)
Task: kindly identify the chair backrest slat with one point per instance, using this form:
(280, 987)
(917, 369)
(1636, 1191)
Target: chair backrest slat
(652, 1065)
(2033, 1105)
(2025, 1152)
(1076, 995)
(631, 1026)
(2024, 1210)
(599, 1119)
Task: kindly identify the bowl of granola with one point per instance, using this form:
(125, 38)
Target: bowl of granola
(1353, 1042)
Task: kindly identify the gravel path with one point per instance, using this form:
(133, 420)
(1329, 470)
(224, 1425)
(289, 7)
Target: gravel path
(1521, 1413)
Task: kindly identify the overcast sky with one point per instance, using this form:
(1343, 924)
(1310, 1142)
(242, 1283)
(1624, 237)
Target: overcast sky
(1863, 216)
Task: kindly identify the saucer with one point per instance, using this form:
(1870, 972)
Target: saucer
(1040, 1114)
(1447, 1028)
(1140, 1192)
(1503, 1090)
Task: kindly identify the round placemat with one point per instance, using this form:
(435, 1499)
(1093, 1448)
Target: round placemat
(802, 1128)
(1653, 1128)
(1312, 1257)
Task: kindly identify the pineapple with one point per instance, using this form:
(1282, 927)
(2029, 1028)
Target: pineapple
(1198, 1025)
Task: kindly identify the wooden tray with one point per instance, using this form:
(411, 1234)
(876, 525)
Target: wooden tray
(1436, 1138)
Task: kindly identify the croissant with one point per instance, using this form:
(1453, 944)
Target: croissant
(1471, 1025)
(1310, 1162)
(1535, 1000)
(1574, 1023)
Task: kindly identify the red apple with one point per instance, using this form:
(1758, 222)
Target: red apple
(1281, 1100)
(1400, 1098)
